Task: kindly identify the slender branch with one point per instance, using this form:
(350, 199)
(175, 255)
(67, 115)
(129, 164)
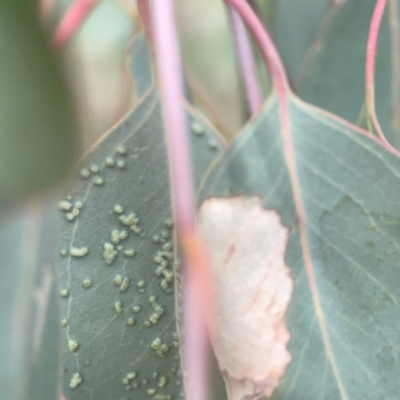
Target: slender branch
(170, 81)
(171, 89)
(267, 47)
(145, 13)
(370, 67)
(72, 21)
(247, 63)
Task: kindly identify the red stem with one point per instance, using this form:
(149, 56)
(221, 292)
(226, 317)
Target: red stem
(267, 47)
(247, 63)
(370, 66)
(281, 86)
(145, 13)
(72, 21)
(171, 89)
(272, 60)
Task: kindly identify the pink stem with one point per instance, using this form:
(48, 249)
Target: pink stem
(370, 67)
(145, 13)
(195, 339)
(267, 47)
(275, 64)
(281, 86)
(247, 63)
(72, 21)
(171, 88)
(273, 61)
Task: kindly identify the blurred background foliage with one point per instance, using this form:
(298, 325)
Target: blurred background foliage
(95, 60)
(305, 33)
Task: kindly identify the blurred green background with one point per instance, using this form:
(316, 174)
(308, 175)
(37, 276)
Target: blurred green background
(96, 68)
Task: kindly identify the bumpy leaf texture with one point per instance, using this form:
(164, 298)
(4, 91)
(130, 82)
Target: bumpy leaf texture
(117, 260)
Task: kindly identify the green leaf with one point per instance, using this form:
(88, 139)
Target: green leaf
(140, 64)
(323, 45)
(120, 341)
(36, 145)
(343, 259)
(29, 320)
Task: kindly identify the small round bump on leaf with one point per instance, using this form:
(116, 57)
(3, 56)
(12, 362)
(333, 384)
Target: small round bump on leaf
(75, 381)
(121, 150)
(121, 164)
(64, 205)
(197, 128)
(118, 209)
(118, 307)
(118, 279)
(78, 251)
(87, 283)
(84, 173)
(129, 252)
(98, 181)
(110, 162)
(94, 168)
(73, 345)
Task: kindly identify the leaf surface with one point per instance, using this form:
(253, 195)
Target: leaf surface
(323, 45)
(343, 255)
(29, 321)
(36, 140)
(118, 265)
(140, 64)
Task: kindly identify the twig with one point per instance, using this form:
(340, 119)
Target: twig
(370, 67)
(247, 63)
(171, 88)
(267, 47)
(146, 19)
(72, 21)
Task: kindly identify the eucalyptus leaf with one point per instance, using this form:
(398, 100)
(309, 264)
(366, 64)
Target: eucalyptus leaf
(119, 273)
(323, 45)
(343, 186)
(140, 64)
(29, 320)
(36, 133)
